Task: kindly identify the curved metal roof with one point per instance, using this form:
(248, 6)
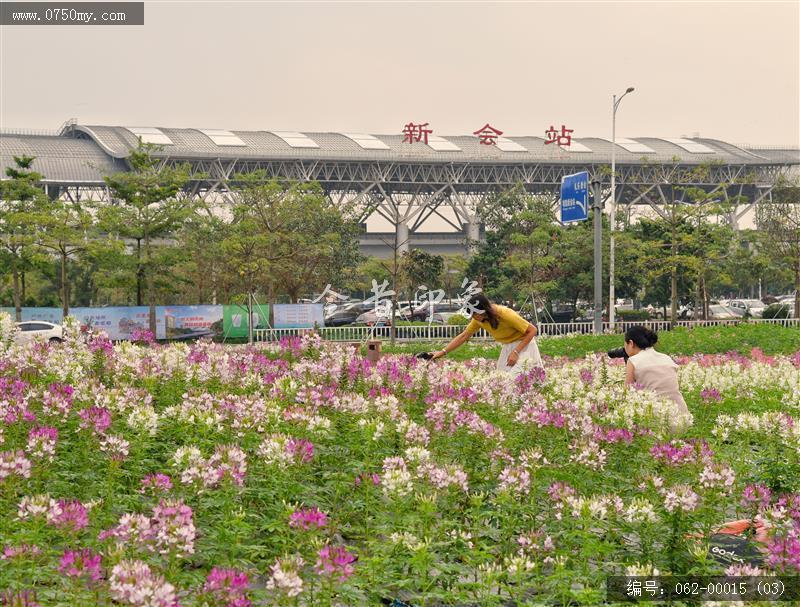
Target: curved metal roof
(85, 153)
(60, 159)
(193, 143)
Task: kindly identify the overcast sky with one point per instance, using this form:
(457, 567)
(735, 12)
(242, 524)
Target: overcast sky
(727, 70)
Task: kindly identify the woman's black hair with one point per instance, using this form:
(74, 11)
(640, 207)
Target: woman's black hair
(641, 336)
(479, 301)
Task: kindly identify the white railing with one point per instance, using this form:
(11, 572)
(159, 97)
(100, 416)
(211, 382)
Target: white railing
(447, 332)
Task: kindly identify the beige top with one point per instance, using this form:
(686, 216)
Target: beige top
(658, 372)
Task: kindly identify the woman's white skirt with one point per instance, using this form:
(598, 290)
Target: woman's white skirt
(529, 357)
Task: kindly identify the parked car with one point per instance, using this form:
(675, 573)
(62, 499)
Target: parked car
(740, 307)
(346, 314)
(720, 312)
(405, 309)
(623, 304)
(38, 329)
(423, 310)
(370, 318)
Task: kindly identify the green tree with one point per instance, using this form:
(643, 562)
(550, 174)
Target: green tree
(149, 207)
(21, 199)
(779, 219)
(421, 268)
(67, 228)
(292, 234)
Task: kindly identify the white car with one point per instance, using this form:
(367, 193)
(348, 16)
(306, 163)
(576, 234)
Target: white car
(31, 330)
(740, 307)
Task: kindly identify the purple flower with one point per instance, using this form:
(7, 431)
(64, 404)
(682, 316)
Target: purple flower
(300, 449)
(710, 394)
(69, 515)
(335, 561)
(756, 496)
(559, 492)
(101, 343)
(58, 399)
(306, 518)
(227, 588)
(530, 380)
(676, 453)
(784, 552)
(143, 336)
(156, 483)
(98, 418)
(81, 563)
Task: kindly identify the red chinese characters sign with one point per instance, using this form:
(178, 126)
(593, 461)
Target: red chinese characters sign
(416, 132)
(553, 136)
(488, 134)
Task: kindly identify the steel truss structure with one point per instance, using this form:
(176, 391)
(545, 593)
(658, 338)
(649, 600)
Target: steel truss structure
(407, 195)
(407, 187)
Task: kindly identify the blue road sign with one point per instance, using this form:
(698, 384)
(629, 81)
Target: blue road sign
(575, 197)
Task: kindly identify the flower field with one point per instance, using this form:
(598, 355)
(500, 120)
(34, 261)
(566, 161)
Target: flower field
(301, 474)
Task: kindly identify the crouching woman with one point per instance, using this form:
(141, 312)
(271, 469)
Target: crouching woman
(517, 335)
(655, 371)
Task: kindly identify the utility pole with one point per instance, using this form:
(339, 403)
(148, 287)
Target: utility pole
(597, 207)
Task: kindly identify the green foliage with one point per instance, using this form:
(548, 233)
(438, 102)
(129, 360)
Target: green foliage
(458, 320)
(149, 205)
(628, 315)
(287, 237)
(776, 311)
(22, 200)
(419, 268)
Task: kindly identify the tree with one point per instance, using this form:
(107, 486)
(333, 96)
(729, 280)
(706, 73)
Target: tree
(519, 258)
(149, 205)
(291, 234)
(779, 218)
(21, 199)
(421, 268)
(685, 245)
(67, 229)
(204, 269)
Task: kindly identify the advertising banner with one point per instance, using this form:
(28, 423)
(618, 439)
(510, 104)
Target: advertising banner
(234, 319)
(52, 315)
(192, 322)
(120, 323)
(298, 316)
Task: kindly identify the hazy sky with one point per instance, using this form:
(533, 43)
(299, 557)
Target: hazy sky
(728, 70)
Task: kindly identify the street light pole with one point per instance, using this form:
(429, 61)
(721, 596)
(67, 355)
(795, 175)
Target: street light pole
(612, 298)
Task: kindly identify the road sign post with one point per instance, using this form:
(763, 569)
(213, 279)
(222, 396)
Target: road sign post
(597, 208)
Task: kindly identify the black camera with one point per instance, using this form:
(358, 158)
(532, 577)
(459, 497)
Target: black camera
(618, 353)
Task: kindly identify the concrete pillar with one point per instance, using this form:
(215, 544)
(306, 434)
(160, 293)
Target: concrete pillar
(733, 219)
(401, 230)
(473, 234)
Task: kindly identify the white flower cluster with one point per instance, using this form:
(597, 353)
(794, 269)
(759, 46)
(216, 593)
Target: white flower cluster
(774, 424)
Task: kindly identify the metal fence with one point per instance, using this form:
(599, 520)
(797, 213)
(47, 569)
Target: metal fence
(447, 332)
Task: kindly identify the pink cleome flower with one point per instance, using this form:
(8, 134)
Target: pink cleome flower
(81, 563)
(335, 561)
(227, 588)
(308, 518)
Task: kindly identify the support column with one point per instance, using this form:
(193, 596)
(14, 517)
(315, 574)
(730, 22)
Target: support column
(402, 237)
(474, 230)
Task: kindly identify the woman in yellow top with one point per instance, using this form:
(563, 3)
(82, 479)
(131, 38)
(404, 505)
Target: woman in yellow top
(506, 326)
